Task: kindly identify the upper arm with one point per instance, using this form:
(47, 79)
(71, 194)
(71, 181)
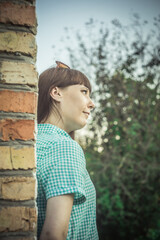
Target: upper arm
(65, 171)
(58, 213)
(63, 180)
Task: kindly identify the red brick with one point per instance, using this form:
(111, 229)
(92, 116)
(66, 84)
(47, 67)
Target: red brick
(17, 14)
(16, 129)
(12, 101)
(17, 219)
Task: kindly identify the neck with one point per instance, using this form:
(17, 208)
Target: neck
(60, 125)
(57, 121)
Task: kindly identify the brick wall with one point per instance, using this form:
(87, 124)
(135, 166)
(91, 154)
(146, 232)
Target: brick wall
(18, 100)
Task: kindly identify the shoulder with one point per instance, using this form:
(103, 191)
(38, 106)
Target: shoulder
(63, 151)
(67, 150)
(68, 145)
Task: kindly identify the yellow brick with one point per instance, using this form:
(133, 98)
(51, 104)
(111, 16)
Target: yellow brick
(5, 158)
(17, 188)
(18, 73)
(23, 158)
(17, 219)
(18, 42)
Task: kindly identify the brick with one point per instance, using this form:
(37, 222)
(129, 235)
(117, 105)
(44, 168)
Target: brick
(5, 158)
(16, 129)
(17, 14)
(17, 157)
(21, 42)
(17, 238)
(17, 188)
(18, 73)
(12, 101)
(17, 219)
(23, 157)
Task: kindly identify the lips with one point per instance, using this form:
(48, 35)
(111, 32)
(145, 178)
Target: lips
(87, 113)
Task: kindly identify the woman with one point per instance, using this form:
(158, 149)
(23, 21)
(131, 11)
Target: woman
(66, 196)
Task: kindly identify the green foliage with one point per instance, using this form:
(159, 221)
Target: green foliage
(123, 154)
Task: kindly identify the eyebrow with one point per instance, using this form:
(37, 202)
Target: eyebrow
(83, 86)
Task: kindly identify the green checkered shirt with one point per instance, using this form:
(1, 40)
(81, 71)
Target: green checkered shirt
(61, 169)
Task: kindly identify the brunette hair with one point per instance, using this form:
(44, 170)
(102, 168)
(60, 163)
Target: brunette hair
(56, 77)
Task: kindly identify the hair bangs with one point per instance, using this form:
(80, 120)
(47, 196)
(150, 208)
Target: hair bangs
(80, 78)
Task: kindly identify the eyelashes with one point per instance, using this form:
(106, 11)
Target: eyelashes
(85, 91)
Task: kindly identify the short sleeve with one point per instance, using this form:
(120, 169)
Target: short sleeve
(65, 171)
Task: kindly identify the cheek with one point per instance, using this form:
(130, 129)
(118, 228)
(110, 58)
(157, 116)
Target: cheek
(75, 104)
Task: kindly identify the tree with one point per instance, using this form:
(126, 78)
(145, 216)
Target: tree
(123, 149)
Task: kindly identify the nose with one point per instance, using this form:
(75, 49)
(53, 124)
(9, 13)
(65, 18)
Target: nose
(91, 104)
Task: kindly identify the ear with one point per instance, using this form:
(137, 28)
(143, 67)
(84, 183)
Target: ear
(56, 94)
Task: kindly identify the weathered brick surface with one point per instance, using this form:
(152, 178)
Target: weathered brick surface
(5, 158)
(17, 188)
(22, 42)
(23, 157)
(17, 238)
(17, 219)
(18, 73)
(11, 129)
(17, 14)
(18, 80)
(12, 101)
(17, 157)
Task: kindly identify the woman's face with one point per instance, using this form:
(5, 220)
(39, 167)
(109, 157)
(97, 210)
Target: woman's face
(75, 106)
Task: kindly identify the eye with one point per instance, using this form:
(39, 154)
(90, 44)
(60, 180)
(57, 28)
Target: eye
(85, 92)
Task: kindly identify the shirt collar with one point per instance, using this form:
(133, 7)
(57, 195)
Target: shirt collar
(49, 128)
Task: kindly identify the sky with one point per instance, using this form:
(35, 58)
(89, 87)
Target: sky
(54, 15)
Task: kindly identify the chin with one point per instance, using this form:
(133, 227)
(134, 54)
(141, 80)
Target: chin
(76, 125)
(79, 126)
(82, 125)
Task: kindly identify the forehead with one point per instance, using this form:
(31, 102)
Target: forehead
(80, 86)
